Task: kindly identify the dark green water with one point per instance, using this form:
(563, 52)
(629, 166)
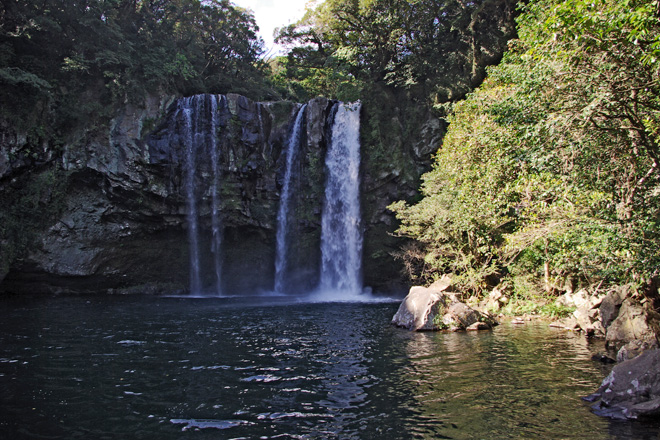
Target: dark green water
(172, 368)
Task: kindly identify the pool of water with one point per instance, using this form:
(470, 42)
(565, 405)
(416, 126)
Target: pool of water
(183, 368)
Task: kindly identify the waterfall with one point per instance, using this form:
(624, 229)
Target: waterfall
(186, 107)
(197, 118)
(216, 223)
(285, 204)
(341, 237)
(196, 145)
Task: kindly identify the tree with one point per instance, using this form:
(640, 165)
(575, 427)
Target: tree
(82, 57)
(549, 171)
(432, 48)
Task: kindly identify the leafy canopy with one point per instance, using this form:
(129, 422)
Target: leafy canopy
(435, 49)
(550, 170)
(53, 53)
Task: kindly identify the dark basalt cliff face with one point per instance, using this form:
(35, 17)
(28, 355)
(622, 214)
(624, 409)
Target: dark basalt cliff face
(99, 203)
(105, 211)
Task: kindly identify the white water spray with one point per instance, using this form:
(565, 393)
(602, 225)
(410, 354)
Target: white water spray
(341, 236)
(197, 117)
(283, 214)
(186, 109)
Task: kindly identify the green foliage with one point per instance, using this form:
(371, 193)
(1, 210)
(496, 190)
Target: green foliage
(64, 62)
(550, 170)
(431, 48)
(467, 197)
(438, 323)
(14, 76)
(537, 306)
(526, 298)
(438, 311)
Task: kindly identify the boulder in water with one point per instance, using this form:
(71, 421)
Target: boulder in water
(416, 308)
(430, 308)
(632, 390)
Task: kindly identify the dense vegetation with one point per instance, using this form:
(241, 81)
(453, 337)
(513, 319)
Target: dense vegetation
(435, 50)
(62, 61)
(549, 174)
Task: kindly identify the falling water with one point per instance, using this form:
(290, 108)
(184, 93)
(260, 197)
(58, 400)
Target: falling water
(186, 107)
(197, 117)
(216, 224)
(285, 204)
(341, 238)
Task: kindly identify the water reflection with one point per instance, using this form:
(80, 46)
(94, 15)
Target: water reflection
(171, 368)
(511, 383)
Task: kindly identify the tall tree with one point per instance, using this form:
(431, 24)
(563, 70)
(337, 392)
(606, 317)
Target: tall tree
(550, 170)
(434, 48)
(52, 52)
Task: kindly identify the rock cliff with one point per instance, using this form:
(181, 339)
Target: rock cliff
(105, 210)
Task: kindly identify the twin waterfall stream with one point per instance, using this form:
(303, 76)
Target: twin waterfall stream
(283, 213)
(196, 128)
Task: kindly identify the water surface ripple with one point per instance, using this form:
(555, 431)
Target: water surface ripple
(178, 368)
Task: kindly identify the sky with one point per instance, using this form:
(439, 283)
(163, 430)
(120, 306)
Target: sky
(271, 14)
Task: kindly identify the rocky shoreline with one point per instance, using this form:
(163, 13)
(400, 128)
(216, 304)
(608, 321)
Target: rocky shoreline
(627, 321)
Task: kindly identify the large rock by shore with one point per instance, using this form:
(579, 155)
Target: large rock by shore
(432, 308)
(632, 390)
(618, 316)
(628, 323)
(631, 324)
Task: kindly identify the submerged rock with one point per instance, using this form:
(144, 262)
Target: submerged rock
(632, 390)
(430, 308)
(603, 358)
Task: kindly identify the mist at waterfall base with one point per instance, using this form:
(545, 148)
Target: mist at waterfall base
(194, 130)
(145, 367)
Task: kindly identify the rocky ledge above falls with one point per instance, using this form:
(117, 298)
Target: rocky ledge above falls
(107, 210)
